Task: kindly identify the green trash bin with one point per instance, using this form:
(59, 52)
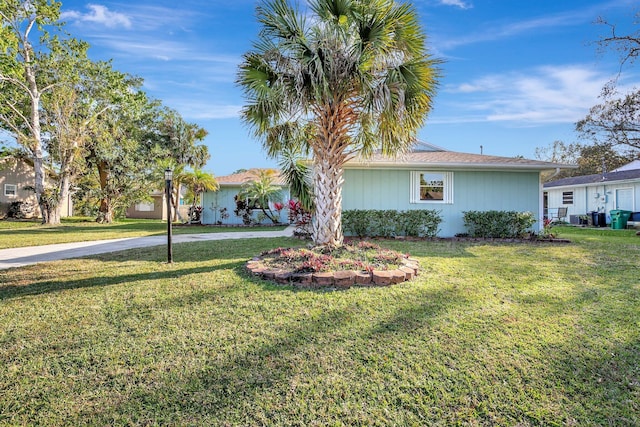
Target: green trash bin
(619, 219)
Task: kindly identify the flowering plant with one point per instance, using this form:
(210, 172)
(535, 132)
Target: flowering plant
(546, 232)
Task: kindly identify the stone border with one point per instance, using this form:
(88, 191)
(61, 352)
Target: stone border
(337, 279)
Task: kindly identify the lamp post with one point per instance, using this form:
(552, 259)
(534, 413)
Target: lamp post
(168, 176)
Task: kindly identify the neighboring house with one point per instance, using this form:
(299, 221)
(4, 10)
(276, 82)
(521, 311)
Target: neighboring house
(156, 208)
(17, 177)
(450, 182)
(218, 206)
(581, 195)
(429, 177)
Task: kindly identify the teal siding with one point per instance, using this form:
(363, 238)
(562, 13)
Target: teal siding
(213, 201)
(472, 190)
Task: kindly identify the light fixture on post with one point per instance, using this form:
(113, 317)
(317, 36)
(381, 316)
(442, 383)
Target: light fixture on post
(168, 177)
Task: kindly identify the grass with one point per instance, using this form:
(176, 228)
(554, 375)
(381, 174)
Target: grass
(488, 334)
(14, 234)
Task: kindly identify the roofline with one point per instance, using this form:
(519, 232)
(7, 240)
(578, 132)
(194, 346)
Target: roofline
(595, 184)
(457, 165)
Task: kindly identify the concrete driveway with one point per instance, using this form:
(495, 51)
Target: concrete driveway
(18, 257)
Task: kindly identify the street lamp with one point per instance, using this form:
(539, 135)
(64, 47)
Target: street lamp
(168, 176)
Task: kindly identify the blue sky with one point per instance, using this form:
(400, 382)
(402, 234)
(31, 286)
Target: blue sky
(517, 74)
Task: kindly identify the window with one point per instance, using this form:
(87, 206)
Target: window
(567, 197)
(145, 207)
(10, 190)
(431, 187)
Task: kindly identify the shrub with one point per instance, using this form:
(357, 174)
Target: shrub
(356, 222)
(389, 223)
(243, 210)
(15, 210)
(20, 210)
(498, 224)
(301, 217)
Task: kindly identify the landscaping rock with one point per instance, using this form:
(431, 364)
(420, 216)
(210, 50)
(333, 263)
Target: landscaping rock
(397, 276)
(270, 274)
(282, 277)
(337, 279)
(302, 278)
(382, 278)
(323, 279)
(409, 273)
(257, 270)
(363, 278)
(344, 279)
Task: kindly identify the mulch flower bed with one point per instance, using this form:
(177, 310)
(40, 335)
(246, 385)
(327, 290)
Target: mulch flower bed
(361, 264)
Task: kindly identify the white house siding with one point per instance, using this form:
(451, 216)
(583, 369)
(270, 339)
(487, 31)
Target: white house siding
(598, 197)
(472, 190)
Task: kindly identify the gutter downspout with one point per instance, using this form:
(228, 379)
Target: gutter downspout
(555, 173)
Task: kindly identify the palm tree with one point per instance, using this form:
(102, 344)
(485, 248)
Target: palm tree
(297, 173)
(198, 182)
(349, 78)
(261, 190)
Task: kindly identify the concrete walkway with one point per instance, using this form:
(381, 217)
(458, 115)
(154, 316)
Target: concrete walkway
(18, 257)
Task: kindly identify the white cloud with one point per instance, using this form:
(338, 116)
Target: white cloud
(498, 31)
(202, 110)
(100, 15)
(459, 3)
(550, 94)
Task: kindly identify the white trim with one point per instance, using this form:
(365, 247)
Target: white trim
(447, 181)
(15, 190)
(595, 184)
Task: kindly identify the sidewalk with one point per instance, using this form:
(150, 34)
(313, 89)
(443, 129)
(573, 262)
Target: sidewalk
(18, 257)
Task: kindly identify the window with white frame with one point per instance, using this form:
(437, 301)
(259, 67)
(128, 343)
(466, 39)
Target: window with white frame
(10, 190)
(431, 187)
(567, 197)
(145, 207)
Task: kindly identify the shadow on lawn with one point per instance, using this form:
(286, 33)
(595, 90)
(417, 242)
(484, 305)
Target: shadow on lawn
(89, 228)
(288, 367)
(602, 384)
(50, 286)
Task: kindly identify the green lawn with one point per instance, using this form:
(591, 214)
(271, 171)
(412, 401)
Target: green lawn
(488, 334)
(14, 234)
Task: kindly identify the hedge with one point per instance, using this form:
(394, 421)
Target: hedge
(498, 224)
(390, 223)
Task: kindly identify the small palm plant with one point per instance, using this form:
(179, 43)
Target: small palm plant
(261, 190)
(198, 182)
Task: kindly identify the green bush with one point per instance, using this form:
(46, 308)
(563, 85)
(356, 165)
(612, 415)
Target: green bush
(498, 224)
(390, 223)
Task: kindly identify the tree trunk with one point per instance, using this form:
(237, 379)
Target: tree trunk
(327, 181)
(175, 201)
(55, 212)
(105, 212)
(328, 160)
(36, 135)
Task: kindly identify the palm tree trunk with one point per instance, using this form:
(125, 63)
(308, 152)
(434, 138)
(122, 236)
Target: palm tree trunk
(327, 181)
(328, 161)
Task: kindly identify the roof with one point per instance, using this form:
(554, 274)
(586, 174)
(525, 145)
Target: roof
(629, 166)
(452, 159)
(598, 178)
(246, 176)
